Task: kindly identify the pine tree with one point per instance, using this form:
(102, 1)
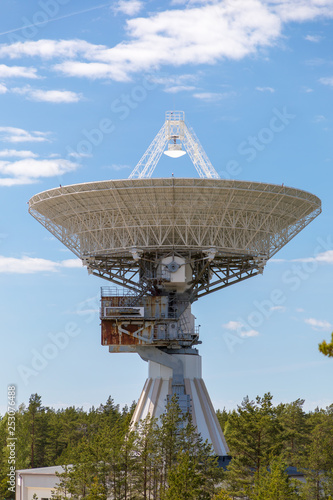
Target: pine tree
(120, 460)
(73, 425)
(97, 491)
(147, 458)
(23, 435)
(294, 433)
(193, 472)
(56, 443)
(239, 478)
(327, 348)
(62, 488)
(222, 417)
(273, 483)
(318, 460)
(171, 460)
(128, 464)
(183, 480)
(170, 424)
(37, 423)
(205, 460)
(83, 471)
(110, 412)
(253, 433)
(222, 495)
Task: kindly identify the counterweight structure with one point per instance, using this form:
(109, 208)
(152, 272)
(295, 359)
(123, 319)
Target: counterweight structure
(168, 242)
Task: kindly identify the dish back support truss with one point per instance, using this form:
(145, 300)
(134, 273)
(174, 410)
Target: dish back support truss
(175, 129)
(208, 275)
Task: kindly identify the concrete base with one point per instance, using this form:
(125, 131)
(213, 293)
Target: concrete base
(159, 385)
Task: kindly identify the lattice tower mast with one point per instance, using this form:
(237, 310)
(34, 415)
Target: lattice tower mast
(175, 132)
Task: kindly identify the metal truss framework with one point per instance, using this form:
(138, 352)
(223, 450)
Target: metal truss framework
(207, 276)
(110, 224)
(175, 129)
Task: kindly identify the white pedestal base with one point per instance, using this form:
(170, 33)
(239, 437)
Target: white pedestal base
(158, 385)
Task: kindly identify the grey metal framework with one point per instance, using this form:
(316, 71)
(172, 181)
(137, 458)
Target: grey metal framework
(226, 230)
(173, 130)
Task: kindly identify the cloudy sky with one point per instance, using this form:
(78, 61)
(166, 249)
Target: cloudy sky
(83, 90)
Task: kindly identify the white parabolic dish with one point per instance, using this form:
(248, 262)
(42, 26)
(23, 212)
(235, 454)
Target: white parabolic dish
(110, 218)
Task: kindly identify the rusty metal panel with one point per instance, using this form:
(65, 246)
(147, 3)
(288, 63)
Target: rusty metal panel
(156, 307)
(118, 333)
(121, 311)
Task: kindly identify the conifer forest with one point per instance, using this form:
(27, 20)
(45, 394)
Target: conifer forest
(103, 458)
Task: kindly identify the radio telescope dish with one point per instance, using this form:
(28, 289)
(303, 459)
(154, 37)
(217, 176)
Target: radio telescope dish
(168, 242)
(113, 226)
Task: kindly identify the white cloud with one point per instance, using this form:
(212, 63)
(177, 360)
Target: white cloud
(54, 96)
(313, 38)
(199, 32)
(327, 80)
(239, 328)
(278, 308)
(176, 83)
(13, 134)
(307, 90)
(213, 96)
(198, 35)
(12, 181)
(49, 49)
(324, 257)
(319, 118)
(179, 88)
(202, 34)
(128, 7)
(249, 333)
(17, 71)
(94, 70)
(233, 325)
(191, 2)
(318, 324)
(265, 89)
(75, 154)
(300, 310)
(30, 265)
(302, 10)
(14, 153)
(71, 263)
(29, 170)
(3, 88)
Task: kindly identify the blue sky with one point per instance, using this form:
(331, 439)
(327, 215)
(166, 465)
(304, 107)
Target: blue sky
(83, 90)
